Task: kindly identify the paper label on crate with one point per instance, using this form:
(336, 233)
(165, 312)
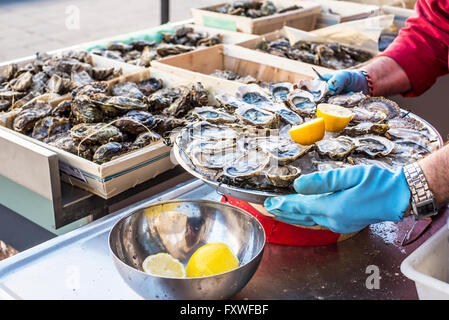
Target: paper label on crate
(71, 171)
(218, 23)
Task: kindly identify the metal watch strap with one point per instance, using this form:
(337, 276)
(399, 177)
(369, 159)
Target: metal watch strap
(423, 201)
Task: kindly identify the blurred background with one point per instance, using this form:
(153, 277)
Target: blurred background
(29, 26)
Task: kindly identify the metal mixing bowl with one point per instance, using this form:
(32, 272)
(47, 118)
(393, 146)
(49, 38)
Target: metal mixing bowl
(180, 227)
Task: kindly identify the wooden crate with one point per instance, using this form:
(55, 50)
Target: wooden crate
(199, 65)
(334, 12)
(106, 180)
(402, 11)
(304, 18)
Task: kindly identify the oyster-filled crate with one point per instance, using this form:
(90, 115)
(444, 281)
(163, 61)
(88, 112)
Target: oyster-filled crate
(203, 66)
(302, 18)
(333, 12)
(155, 35)
(105, 180)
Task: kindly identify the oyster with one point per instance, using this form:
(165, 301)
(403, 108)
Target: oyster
(112, 106)
(365, 115)
(336, 148)
(67, 143)
(108, 151)
(316, 87)
(213, 115)
(374, 146)
(229, 102)
(25, 119)
(23, 82)
(198, 95)
(128, 89)
(207, 131)
(85, 110)
(282, 176)
(149, 86)
(381, 105)
(144, 139)
(302, 102)
(324, 165)
(381, 162)
(364, 128)
(164, 50)
(250, 164)
(63, 109)
(257, 117)
(95, 133)
(135, 122)
(280, 91)
(49, 126)
(215, 159)
(255, 95)
(287, 115)
(347, 100)
(283, 150)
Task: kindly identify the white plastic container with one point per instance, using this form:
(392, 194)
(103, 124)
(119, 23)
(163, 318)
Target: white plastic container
(428, 266)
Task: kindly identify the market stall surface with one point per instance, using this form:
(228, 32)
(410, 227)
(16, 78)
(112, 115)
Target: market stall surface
(78, 265)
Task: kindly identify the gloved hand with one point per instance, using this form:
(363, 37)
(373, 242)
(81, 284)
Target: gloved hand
(344, 200)
(344, 81)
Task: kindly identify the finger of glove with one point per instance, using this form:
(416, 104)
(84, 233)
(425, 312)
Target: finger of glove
(329, 181)
(335, 226)
(338, 82)
(294, 206)
(301, 222)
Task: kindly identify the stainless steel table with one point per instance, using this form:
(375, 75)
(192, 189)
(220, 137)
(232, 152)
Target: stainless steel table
(77, 265)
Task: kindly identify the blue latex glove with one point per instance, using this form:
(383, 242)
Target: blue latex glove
(344, 200)
(345, 81)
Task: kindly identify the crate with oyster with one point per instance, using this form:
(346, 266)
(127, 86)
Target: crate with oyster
(146, 46)
(230, 66)
(258, 16)
(253, 156)
(341, 46)
(109, 135)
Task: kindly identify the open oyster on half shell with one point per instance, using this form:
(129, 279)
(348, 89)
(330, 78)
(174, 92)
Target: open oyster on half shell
(336, 148)
(282, 176)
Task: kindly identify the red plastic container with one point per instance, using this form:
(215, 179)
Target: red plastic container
(282, 233)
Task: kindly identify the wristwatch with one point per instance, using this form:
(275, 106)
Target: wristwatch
(423, 200)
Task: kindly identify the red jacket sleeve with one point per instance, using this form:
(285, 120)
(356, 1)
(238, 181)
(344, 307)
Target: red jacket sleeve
(421, 48)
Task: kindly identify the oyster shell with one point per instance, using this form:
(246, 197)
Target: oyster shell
(95, 133)
(283, 150)
(282, 176)
(287, 115)
(324, 165)
(213, 115)
(302, 102)
(255, 95)
(144, 139)
(135, 122)
(364, 128)
(207, 131)
(215, 159)
(115, 105)
(85, 110)
(25, 119)
(250, 164)
(280, 91)
(68, 143)
(127, 89)
(336, 148)
(227, 101)
(381, 105)
(374, 146)
(107, 151)
(347, 100)
(49, 126)
(257, 116)
(316, 87)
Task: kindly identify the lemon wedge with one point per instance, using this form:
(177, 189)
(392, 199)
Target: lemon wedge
(164, 265)
(336, 118)
(309, 132)
(211, 259)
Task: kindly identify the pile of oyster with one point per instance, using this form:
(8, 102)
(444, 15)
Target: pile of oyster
(244, 141)
(248, 79)
(252, 9)
(142, 52)
(326, 54)
(49, 74)
(102, 121)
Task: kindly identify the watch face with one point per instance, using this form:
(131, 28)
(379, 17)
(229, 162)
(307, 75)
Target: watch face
(426, 208)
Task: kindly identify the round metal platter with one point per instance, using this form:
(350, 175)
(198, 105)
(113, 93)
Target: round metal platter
(257, 196)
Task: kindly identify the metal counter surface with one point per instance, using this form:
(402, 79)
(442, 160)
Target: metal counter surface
(77, 265)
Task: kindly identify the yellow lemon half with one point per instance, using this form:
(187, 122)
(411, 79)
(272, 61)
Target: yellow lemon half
(336, 118)
(211, 259)
(164, 265)
(309, 132)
